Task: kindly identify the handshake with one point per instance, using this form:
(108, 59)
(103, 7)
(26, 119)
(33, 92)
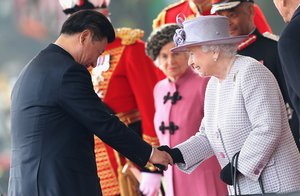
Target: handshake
(175, 156)
(162, 159)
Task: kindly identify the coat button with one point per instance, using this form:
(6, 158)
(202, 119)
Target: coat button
(222, 155)
(256, 172)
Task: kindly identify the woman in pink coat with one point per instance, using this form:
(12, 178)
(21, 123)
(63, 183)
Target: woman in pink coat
(179, 101)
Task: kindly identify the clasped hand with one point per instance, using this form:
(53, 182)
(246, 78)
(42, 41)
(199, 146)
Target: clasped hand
(161, 159)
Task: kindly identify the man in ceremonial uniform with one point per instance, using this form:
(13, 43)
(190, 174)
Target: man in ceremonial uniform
(124, 79)
(262, 47)
(192, 8)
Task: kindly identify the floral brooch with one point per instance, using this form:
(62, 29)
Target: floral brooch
(179, 36)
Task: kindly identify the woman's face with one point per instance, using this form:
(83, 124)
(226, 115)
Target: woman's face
(172, 64)
(202, 62)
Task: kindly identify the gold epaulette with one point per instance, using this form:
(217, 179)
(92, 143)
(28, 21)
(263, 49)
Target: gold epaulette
(193, 6)
(129, 36)
(161, 18)
(271, 36)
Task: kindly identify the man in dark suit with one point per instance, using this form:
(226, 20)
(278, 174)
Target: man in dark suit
(289, 48)
(262, 47)
(55, 114)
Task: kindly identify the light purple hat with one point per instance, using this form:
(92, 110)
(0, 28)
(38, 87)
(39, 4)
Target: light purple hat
(204, 30)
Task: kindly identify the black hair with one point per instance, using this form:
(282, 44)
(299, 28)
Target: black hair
(91, 20)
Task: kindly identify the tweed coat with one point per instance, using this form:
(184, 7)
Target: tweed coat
(246, 113)
(187, 114)
(265, 50)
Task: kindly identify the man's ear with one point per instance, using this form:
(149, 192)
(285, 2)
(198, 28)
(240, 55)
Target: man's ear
(85, 36)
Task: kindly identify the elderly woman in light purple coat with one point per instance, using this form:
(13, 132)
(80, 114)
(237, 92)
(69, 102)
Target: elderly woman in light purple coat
(179, 102)
(245, 122)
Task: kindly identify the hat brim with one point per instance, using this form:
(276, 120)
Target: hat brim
(229, 40)
(223, 6)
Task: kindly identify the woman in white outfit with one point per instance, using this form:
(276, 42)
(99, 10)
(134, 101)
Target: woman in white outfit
(243, 113)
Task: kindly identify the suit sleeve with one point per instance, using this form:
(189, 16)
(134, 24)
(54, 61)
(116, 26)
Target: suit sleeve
(290, 59)
(280, 77)
(77, 98)
(263, 103)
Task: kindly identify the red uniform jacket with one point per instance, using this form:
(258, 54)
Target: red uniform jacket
(126, 85)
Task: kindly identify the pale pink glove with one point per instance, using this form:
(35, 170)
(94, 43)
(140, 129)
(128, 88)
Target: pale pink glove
(150, 183)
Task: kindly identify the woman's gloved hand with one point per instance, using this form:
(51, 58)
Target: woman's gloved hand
(226, 174)
(150, 183)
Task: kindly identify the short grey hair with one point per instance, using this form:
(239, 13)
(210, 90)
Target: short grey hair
(227, 49)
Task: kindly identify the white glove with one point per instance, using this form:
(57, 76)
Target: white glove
(150, 183)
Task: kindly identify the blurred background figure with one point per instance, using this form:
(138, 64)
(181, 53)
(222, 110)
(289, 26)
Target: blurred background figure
(179, 106)
(38, 19)
(192, 8)
(262, 47)
(4, 135)
(124, 79)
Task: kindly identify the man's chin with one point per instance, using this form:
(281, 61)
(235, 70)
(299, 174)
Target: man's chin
(88, 66)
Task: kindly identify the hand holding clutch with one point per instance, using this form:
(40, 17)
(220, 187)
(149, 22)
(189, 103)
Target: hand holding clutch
(226, 174)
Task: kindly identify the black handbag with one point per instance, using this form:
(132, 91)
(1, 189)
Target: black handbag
(234, 166)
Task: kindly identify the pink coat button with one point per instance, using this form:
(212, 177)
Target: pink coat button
(222, 155)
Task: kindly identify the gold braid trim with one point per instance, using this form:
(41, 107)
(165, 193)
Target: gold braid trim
(194, 8)
(109, 181)
(115, 55)
(153, 141)
(129, 117)
(161, 18)
(129, 36)
(200, 8)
